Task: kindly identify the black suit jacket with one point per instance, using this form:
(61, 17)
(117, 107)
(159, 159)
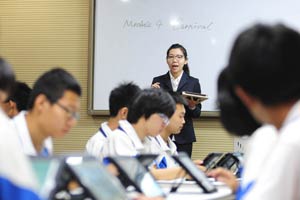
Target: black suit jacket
(187, 83)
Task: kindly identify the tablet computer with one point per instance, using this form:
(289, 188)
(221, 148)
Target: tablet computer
(194, 96)
(95, 179)
(211, 160)
(199, 176)
(137, 175)
(48, 172)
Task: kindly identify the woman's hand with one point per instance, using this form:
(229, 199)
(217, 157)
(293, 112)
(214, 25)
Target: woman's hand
(155, 85)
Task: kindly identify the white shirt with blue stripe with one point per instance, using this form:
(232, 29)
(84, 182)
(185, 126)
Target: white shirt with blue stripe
(123, 142)
(95, 144)
(25, 138)
(16, 177)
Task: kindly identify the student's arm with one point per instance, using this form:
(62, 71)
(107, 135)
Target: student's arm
(168, 173)
(226, 176)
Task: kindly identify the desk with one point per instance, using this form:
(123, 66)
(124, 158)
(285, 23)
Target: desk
(189, 190)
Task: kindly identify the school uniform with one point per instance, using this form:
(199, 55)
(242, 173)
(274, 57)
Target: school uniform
(123, 142)
(95, 144)
(185, 139)
(257, 150)
(25, 138)
(165, 151)
(17, 180)
(280, 177)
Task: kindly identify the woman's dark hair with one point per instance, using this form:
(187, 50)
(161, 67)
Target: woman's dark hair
(186, 68)
(234, 115)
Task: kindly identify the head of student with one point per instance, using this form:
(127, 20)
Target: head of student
(54, 102)
(234, 115)
(120, 98)
(154, 107)
(264, 68)
(18, 100)
(177, 120)
(177, 59)
(7, 80)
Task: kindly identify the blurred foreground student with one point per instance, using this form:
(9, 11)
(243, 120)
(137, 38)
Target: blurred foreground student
(148, 114)
(16, 176)
(52, 111)
(119, 100)
(238, 121)
(264, 71)
(18, 100)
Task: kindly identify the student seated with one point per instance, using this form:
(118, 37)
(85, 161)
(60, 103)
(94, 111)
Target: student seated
(119, 100)
(52, 111)
(147, 116)
(18, 101)
(16, 177)
(264, 72)
(162, 144)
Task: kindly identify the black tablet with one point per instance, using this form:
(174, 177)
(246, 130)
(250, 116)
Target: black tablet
(96, 179)
(200, 178)
(137, 175)
(211, 160)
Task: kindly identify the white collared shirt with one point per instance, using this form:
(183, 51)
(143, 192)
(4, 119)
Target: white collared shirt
(123, 142)
(15, 168)
(175, 81)
(25, 138)
(95, 144)
(280, 176)
(157, 145)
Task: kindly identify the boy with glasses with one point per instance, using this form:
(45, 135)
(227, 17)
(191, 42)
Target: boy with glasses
(52, 111)
(148, 114)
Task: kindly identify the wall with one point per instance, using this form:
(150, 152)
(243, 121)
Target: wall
(36, 35)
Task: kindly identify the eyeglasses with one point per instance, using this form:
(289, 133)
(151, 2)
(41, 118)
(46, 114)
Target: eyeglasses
(72, 114)
(165, 118)
(171, 57)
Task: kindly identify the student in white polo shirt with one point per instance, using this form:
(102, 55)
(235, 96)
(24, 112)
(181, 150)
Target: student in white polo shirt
(119, 100)
(52, 111)
(163, 144)
(148, 114)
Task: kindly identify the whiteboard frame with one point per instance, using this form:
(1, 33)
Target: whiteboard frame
(91, 47)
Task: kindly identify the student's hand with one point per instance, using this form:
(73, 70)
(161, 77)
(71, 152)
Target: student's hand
(142, 197)
(199, 164)
(155, 85)
(226, 176)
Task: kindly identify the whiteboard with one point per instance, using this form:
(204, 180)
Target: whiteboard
(130, 39)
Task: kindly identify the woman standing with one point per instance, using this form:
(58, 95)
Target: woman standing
(178, 79)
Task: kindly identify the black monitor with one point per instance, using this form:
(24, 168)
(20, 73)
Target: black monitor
(136, 175)
(199, 176)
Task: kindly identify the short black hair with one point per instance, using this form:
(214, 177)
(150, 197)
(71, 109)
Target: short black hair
(122, 96)
(7, 77)
(178, 98)
(234, 115)
(150, 101)
(53, 84)
(20, 95)
(265, 62)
